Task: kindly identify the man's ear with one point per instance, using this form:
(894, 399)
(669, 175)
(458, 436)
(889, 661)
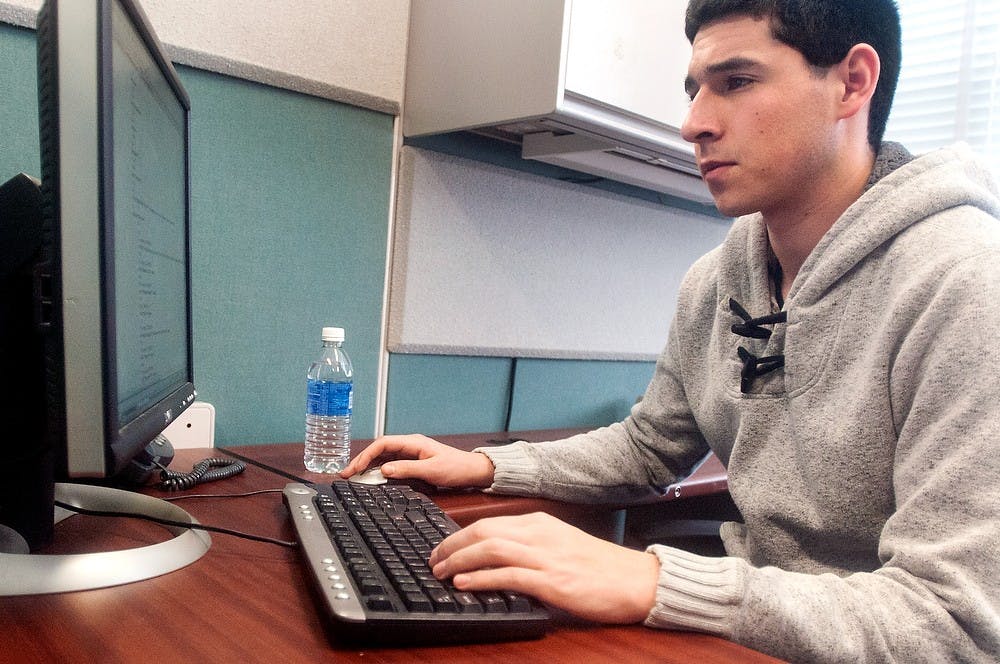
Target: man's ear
(858, 73)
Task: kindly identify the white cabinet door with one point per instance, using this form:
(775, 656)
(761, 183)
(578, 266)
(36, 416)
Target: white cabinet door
(631, 55)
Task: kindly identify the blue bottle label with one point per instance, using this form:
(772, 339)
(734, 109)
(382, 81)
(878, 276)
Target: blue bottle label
(328, 398)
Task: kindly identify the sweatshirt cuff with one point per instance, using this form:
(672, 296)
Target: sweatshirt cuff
(695, 592)
(515, 469)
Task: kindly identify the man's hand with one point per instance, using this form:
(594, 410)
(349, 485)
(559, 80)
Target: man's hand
(560, 565)
(420, 457)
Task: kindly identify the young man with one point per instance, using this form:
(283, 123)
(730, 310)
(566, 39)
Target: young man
(855, 405)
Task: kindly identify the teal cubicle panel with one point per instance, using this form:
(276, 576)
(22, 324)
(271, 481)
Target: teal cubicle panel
(444, 394)
(576, 393)
(290, 209)
(18, 103)
(440, 394)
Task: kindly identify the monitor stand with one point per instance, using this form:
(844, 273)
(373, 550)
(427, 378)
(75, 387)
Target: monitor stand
(36, 574)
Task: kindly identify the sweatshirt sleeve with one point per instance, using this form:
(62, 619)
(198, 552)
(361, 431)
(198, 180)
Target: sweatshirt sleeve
(654, 446)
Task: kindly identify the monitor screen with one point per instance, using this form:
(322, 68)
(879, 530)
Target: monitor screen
(112, 277)
(148, 189)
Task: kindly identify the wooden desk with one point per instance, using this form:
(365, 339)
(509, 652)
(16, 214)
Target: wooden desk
(246, 601)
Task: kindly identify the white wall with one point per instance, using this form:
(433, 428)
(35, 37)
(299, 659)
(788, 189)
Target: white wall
(353, 51)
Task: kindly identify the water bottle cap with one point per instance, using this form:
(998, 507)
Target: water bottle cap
(333, 334)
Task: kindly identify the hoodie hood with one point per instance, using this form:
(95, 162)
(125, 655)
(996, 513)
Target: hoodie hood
(901, 193)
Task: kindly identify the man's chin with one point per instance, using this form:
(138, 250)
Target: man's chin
(731, 208)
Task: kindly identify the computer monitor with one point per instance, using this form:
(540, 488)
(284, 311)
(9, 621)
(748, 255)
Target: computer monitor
(114, 148)
(112, 277)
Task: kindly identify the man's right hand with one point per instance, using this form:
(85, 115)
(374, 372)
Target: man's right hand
(419, 457)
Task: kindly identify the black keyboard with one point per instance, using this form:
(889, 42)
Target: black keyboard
(367, 549)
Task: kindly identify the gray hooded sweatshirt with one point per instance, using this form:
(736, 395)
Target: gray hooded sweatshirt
(860, 434)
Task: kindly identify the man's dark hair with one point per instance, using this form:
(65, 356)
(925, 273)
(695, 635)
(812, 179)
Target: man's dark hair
(823, 31)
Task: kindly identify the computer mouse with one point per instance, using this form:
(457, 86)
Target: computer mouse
(371, 476)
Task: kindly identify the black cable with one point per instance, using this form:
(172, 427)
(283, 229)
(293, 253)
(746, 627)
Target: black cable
(176, 524)
(248, 494)
(510, 394)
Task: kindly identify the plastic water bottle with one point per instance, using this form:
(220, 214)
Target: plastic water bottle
(329, 401)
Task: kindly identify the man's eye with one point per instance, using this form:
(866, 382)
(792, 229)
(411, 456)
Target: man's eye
(737, 82)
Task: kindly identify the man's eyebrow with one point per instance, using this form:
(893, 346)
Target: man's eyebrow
(736, 63)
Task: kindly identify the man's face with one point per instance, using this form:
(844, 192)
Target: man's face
(760, 118)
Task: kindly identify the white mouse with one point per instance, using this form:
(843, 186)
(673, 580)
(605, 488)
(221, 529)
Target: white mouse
(371, 476)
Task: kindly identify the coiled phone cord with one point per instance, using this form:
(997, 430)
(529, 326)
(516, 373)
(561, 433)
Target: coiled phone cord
(206, 470)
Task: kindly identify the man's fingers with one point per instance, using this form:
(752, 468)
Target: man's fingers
(496, 541)
(387, 446)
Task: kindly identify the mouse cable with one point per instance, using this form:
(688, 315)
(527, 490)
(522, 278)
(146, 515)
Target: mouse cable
(178, 524)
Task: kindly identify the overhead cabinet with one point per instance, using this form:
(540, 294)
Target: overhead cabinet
(592, 85)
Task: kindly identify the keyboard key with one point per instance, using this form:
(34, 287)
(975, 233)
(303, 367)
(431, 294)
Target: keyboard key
(516, 603)
(467, 603)
(417, 602)
(492, 602)
(379, 603)
(442, 600)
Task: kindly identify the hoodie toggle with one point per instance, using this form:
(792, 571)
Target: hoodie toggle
(752, 328)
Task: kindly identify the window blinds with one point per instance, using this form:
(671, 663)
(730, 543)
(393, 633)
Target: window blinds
(949, 86)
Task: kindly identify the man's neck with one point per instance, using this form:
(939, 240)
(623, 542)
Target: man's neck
(795, 231)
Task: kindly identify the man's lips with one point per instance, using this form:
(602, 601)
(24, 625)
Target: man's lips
(712, 165)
